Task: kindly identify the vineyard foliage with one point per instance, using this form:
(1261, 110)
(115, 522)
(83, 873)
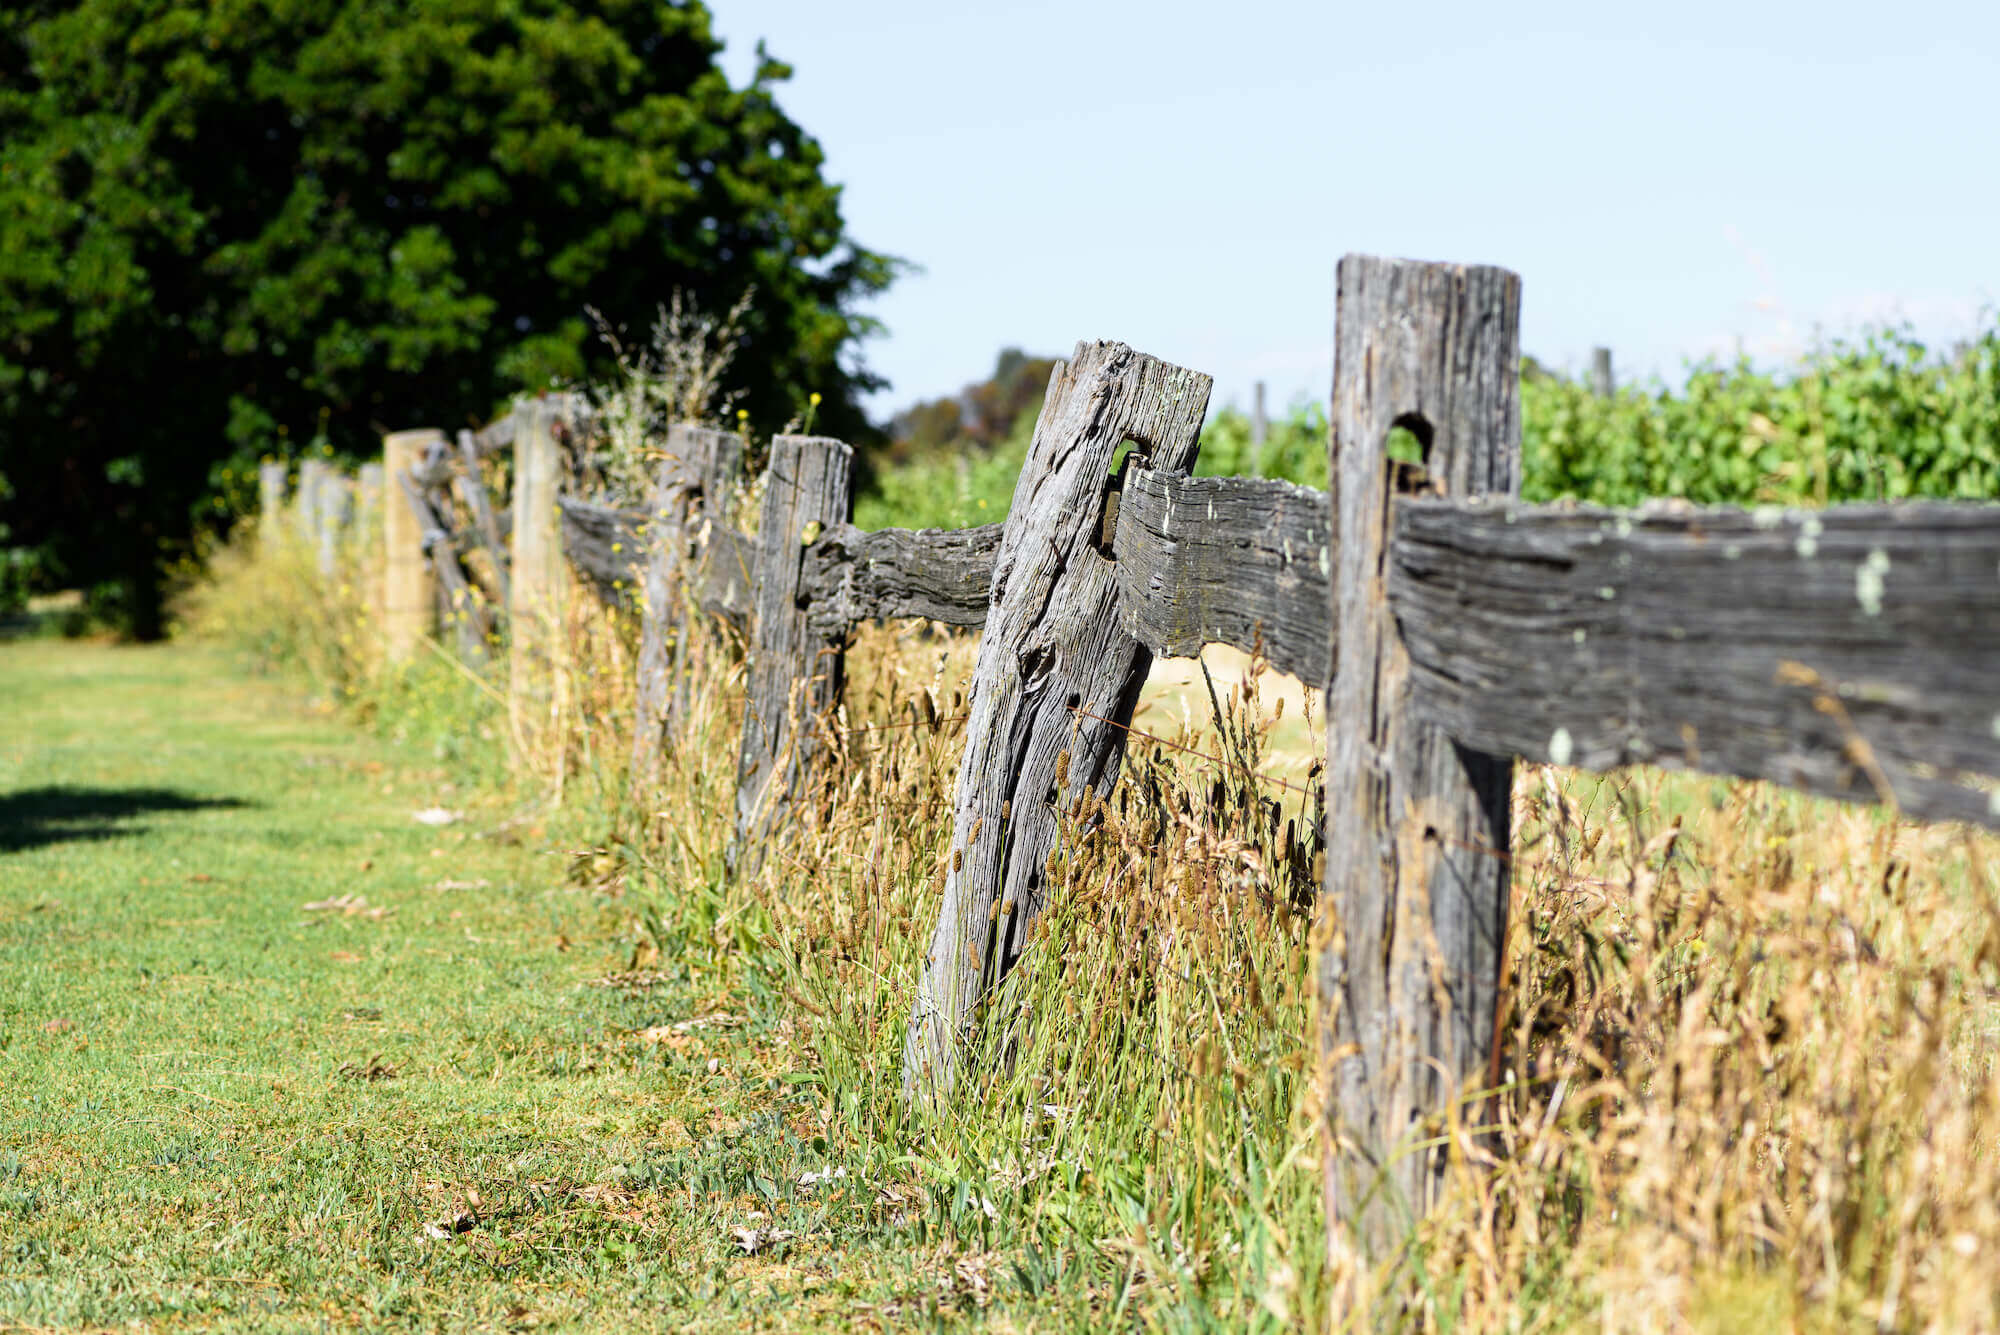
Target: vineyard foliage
(1877, 417)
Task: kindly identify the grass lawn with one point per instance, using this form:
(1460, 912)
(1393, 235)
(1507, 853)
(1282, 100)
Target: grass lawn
(224, 1109)
(277, 1055)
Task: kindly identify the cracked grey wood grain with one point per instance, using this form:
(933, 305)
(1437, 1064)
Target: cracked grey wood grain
(697, 466)
(1231, 561)
(1851, 653)
(940, 574)
(1053, 652)
(794, 675)
(1417, 825)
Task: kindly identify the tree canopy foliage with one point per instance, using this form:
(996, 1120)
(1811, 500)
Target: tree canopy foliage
(240, 227)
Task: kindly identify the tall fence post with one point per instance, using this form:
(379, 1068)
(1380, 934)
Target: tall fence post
(794, 675)
(406, 577)
(534, 604)
(690, 486)
(270, 504)
(1055, 683)
(1417, 827)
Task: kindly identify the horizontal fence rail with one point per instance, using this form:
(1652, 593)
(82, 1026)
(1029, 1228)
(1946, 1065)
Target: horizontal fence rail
(1713, 639)
(1851, 652)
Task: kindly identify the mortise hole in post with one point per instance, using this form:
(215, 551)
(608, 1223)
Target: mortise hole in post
(1128, 453)
(1409, 450)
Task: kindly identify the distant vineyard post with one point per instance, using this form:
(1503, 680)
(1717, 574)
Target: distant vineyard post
(1260, 431)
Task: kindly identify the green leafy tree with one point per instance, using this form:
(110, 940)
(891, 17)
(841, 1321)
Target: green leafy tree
(232, 226)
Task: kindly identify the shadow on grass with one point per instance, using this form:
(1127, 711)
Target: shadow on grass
(61, 813)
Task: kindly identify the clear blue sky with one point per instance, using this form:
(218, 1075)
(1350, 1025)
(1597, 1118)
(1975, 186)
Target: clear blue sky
(1669, 180)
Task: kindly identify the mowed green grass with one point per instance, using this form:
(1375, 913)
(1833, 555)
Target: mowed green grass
(221, 1110)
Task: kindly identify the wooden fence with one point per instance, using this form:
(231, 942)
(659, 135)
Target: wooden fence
(1851, 653)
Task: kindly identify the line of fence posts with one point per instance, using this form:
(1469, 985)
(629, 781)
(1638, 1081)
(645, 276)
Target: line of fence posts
(1092, 574)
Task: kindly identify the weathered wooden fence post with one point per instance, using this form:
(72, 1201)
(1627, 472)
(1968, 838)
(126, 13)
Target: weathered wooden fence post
(305, 503)
(1417, 827)
(406, 576)
(534, 607)
(334, 508)
(270, 504)
(1056, 680)
(368, 512)
(794, 675)
(690, 486)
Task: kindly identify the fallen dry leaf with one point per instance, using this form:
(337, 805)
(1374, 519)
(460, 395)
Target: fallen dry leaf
(348, 906)
(969, 1277)
(58, 1026)
(449, 884)
(345, 957)
(369, 1072)
(718, 1020)
(437, 816)
(754, 1240)
(631, 980)
(437, 1230)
